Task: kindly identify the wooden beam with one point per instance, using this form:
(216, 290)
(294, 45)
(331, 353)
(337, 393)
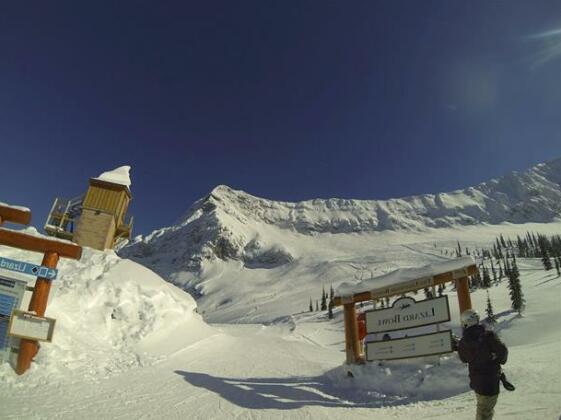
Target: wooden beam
(14, 215)
(38, 304)
(464, 298)
(409, 286)
(352, 344)
(37, 244)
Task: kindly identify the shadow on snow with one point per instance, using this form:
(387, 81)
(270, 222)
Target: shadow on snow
(292, 392)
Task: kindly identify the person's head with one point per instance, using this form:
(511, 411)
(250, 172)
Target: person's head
(469, 318)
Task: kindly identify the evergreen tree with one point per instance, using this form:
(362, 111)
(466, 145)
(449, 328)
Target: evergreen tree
(491, 318)
(330, 310)
(311, 307)
(503, 243)
(485, 280)
(557, 267)
(323, 300)
(507, 267)
(494, 272)
(515, 289)
(545, 260)
(331, 293)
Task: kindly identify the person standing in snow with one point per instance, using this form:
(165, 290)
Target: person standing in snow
(485, 354)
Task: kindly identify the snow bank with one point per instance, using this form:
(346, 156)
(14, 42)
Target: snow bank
(119, 175)
(402, 381)
(112, 315)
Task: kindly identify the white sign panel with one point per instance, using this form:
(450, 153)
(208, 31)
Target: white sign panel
(404, 348)
(30, 326)
(408, 313)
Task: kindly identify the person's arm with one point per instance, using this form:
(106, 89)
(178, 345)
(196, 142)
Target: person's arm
(498, 348)
(466, 352)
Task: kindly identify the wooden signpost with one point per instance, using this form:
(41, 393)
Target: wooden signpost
(460, 276)
(52, 250)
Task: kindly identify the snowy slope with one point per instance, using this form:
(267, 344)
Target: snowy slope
(244, 257)
(291, 369)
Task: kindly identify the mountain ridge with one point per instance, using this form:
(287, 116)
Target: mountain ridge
(228, 224)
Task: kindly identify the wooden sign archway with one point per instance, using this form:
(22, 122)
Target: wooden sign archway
(459, 275)
(52, 250)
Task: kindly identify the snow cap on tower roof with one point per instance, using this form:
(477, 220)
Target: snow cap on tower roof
(119, 175)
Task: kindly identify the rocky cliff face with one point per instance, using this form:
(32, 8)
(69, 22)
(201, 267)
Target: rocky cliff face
(228, 224)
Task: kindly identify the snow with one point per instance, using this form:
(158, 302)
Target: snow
(20, 208)
(129, 345)
(404, 275)
(119, 175)
(30, 230)
(286, 252)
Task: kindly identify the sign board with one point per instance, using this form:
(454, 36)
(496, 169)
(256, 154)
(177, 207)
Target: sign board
(11, 295)
(409, 347)
(27, 268)
(408, 313)
(30, 326)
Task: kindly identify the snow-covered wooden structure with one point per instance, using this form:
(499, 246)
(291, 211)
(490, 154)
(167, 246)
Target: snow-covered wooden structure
(98, 219)
(397, 283)
(53, 250)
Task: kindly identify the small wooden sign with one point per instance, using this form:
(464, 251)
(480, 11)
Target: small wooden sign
(409, 347)
(30, 326)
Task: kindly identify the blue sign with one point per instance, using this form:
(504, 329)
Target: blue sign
(27, 268)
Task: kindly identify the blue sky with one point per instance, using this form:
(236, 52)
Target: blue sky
(285, 100)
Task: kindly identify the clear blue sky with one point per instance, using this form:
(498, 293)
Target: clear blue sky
(288, 100)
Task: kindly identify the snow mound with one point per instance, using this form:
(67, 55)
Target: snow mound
(119, 175)
(399, 382)
(111, 315)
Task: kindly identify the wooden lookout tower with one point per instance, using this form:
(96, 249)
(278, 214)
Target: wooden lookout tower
(97, 219)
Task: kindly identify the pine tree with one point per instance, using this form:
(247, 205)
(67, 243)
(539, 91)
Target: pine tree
(486, 280)
(515, 289)
(503, 243)
(323, 300)
(491, 318)
(331, 293)
(545, 260)
(494, 272)
(311, 307)
(330, 310)
(557, 267)
(459, 250)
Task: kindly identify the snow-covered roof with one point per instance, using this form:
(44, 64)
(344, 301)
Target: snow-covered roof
(119, 175)
(404, 276)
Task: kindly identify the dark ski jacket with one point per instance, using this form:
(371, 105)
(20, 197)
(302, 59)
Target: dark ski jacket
(485, 354)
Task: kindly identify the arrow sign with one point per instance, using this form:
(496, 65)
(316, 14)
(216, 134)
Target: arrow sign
(27, 268)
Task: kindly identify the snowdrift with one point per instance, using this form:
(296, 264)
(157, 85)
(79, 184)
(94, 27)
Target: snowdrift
(112, 315)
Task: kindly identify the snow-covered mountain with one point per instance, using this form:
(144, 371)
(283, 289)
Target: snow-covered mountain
(232, 230)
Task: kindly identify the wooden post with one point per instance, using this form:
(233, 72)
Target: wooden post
(464, 298)
(38, 304)
(352, 345)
